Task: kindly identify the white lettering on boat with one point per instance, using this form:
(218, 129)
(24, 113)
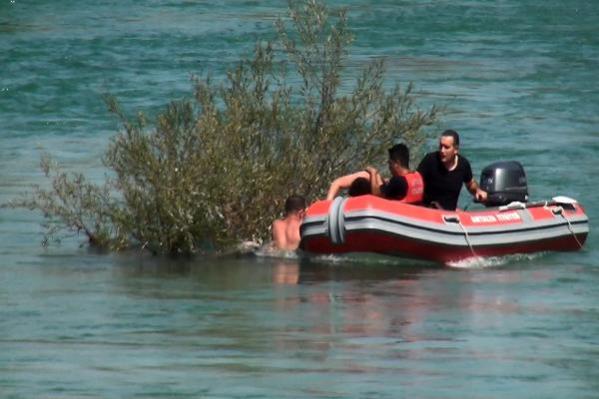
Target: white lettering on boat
(501, 217)
(508, 217)
(483, 219)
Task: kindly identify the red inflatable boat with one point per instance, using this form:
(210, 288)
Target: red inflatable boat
(372, 224)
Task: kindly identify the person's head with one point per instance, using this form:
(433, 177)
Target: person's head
(295, 204)
(449, 145)
(360, 186)
(399, 159)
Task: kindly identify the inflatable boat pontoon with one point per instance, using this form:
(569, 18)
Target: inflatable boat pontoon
(372, 224)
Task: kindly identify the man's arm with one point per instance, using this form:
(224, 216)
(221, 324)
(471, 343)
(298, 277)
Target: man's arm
(376, 181)
(476, 191)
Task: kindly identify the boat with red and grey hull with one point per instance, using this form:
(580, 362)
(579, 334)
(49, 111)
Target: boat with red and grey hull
(372, 224)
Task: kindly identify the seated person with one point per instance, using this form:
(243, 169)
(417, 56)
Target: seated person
(404, 185)
(286, 231)
(357, 184)
(445, 171)
(360, 186)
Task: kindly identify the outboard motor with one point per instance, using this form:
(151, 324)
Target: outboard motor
(504, 182)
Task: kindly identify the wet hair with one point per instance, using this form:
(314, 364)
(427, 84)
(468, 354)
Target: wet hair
(295, 203)
(360, 186)
(453, 134)
(400, 153)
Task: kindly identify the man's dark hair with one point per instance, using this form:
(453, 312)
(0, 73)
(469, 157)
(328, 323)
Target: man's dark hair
(454, 135)
(295, 203)
(360, 186)
(400, 153)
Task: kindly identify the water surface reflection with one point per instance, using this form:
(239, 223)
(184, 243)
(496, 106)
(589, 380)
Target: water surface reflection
(155, 326)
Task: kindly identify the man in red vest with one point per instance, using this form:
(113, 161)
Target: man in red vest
(405, 185)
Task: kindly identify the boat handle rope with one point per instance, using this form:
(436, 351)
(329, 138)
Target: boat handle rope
(560, 211)
(455, 219)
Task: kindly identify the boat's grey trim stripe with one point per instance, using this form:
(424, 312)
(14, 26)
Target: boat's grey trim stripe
(334, 225)
(454, 228)
(337, 223)
(442, 238)
(320, 223)
(460, 239)
(525, 215)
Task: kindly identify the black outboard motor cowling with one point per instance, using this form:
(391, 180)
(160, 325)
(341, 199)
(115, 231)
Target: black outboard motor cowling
(504, 182)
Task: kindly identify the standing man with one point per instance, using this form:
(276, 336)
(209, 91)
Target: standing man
(404, 185)
(286, 231)
(444, 171)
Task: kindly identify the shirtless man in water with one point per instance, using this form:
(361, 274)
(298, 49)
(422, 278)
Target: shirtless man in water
(286, 231)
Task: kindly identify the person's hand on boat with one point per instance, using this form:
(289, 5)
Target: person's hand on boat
(480, 195)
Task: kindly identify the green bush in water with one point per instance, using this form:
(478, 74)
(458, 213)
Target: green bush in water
(215, 170)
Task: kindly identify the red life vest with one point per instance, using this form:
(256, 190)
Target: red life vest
(415, 188)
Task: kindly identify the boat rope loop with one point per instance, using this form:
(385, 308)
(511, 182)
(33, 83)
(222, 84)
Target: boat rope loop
(455, 219)
(560, 211)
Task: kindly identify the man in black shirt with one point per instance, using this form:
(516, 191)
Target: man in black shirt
(443, 173)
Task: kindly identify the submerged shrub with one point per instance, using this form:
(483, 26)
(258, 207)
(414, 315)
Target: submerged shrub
(215, 170)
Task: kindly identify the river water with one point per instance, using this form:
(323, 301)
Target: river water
(518, 80)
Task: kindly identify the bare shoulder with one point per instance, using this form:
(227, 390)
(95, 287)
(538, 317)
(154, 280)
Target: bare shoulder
(278, 224)
(278, 228)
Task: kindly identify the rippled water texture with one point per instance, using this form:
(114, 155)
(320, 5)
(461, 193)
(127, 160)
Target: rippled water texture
(518, 80)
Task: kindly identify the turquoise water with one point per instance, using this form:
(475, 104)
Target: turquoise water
(518, 79)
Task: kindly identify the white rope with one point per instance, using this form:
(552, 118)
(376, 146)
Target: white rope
(467, 238)
(456, 219)
(560, 211)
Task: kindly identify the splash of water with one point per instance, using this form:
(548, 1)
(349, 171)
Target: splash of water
(269, 251)
(479, 262)
(367, 258)
(472, 263)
